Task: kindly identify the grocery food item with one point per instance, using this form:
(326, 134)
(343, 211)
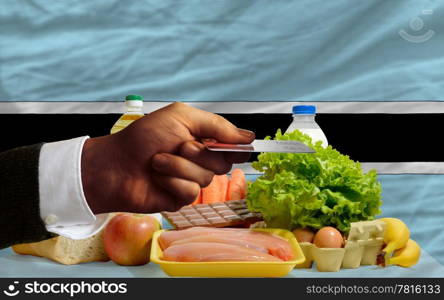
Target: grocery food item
(400, 249)
(246, 238)
(171, 236)
(396, 236)
(216, 191)
(304, 121)
(134, 104)
(237, 187)
(361, 247)
(406, 256)
(223, 188)
(127, 238)
(220, 239)
(313, 190)
(230, 269)
(223, 214)
(303, 235)
(65, 250)
(212, 252)
(328, 237)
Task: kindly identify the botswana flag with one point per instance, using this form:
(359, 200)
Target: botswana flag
(374, 70)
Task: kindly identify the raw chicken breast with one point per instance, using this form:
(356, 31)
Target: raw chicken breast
(211, 252)
(219, 239)
(251, 239)
(168, 237)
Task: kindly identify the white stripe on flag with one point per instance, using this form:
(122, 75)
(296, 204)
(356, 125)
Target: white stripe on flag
(91, 107)
(381, 168)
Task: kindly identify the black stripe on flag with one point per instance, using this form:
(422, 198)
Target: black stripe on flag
(364, 137)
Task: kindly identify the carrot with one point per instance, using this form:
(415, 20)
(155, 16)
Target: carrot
(198, 198)
(237, 189)
(216, 191)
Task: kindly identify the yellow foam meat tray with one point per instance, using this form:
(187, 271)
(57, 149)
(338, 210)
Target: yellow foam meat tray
(230, 268)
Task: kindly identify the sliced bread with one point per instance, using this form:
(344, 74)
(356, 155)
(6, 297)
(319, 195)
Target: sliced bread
(65, 250)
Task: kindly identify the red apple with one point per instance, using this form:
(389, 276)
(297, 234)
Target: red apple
(127, 238)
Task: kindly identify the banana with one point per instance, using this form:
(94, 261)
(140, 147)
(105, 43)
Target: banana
(395, 237)
(407, 256)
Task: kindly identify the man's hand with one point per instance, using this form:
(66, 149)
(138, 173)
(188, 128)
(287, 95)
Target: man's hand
(157, 163)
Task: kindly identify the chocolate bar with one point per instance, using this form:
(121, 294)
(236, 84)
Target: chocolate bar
(221, 214)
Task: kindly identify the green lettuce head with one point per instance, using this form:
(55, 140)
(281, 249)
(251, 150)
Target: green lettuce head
(313, 190)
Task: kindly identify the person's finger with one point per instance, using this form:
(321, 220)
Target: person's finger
(237, 157)
(182, 191)
(173, 165)
(204, 124)
(218, 162)
(197, 153)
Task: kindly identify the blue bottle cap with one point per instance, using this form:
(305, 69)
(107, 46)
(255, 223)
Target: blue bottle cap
(304, 109)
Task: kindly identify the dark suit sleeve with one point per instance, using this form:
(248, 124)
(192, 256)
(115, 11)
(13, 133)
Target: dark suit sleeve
(20, 220)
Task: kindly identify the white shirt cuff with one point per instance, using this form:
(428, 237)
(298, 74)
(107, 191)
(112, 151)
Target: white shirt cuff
(63, 205)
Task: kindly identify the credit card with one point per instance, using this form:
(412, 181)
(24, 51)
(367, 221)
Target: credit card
(260, 146)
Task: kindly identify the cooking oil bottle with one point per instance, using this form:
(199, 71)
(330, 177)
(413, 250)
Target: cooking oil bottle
(134, 104)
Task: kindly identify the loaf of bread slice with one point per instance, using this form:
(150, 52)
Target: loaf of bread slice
(65, 250)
